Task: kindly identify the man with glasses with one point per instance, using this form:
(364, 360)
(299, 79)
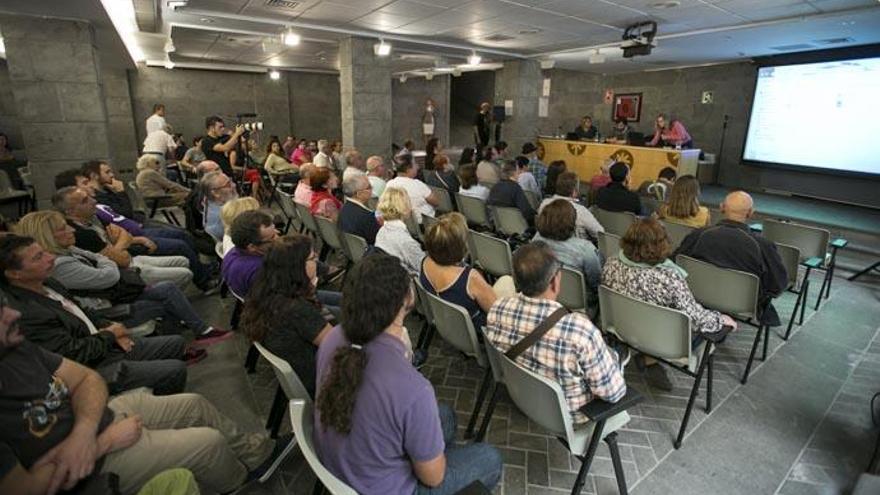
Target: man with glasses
(217, 190)
(355, 217)
(252, 233)
(572, 352)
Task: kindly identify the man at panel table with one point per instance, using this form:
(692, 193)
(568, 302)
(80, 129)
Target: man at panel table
(670, 133)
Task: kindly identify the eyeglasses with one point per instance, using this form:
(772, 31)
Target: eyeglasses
(228, 183)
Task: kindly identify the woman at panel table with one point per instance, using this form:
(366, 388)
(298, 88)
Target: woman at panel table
(671, 133)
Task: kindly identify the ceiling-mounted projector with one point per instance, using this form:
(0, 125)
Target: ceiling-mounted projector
(638, 39)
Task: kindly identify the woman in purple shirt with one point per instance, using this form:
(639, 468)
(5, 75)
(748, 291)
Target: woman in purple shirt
(378, 426)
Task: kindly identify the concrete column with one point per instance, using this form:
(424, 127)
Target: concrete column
(365, 97)
(54, 74)
(520, 81)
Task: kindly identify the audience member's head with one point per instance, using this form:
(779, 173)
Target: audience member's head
(509, 171)
(433, 145)
(206, 166)
(620, 124)
(536, 271)
(467, 156)
(484, 107)
(684, 198)
(645, 241)
(10, 333)
(290, 271)
(305, 173)
(376, 166)
(323, 179)
(557, 220)
(567, 185)
(253, 231)
(149, 161)
(214, 126)
(522, 162)
(99, 173)
(24, 262)
(467, 176)
(667, 174)
(446, 239)
(354, 159)
(366, 314)
(605, 168)
(554, 170)
(394, 204)
(586, 121)
(357, 187)
(236, 207)
(75, 203)
(500, 149)
(71, 178)
(159, 109)
(49, 229)
(738, 206)
(324, 146)
(409, 144)
(660, 122)
(619, 172)
(274, 147)
(529, 148)
(441, 162)
(407, 168)
(218, 188)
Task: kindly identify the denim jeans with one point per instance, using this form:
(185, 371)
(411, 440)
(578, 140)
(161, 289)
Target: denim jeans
(165, 300)
(177, 242)
(154, 362)
(464, 464)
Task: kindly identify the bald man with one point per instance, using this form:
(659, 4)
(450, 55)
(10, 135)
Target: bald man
(731, 244)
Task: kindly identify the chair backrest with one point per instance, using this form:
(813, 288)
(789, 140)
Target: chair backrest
(659, 331)
(136, 198)
(445, 205)
(615, 222)
(329, 232)
(302, 417)
(413, 227)
(609, 244)
(729, 291)
(423, 304)
(454, 324)
(288, 206)
(356, 246)
(533, 198)
(811, 241)
(306, 217)
(492, 254)
(791, 258)
(427, 221)
(539, 398)
(509, 221)
(677, 232)
(572, 290)
(474, 210)
(287, 378)
(5, 182)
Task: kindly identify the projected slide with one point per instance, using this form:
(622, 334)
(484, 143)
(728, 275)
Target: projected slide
(820, 115)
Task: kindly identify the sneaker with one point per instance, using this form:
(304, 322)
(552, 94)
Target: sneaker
(420, 357)
(623, 355)
(212, 336)
(193, 356)
(656, 377)
(283, 445)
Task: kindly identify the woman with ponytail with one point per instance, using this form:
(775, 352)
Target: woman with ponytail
(378, 425)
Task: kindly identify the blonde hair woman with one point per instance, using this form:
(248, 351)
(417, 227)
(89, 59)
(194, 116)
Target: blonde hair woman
(394, 237)
(151, 181)
(683, 205)
(229, 212)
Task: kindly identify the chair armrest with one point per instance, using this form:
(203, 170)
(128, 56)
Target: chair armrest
(814, 262)
(756, 227)
(716, 337)
(840, 242)
(597, 409)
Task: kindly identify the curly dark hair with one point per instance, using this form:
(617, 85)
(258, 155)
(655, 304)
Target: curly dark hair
(646, 241)
(374, 292)
(282, 279)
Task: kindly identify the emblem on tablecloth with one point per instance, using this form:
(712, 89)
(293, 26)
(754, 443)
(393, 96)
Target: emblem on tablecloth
(576, 149)
(623, 156)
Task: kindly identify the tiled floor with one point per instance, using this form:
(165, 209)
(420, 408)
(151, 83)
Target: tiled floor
(800, 425)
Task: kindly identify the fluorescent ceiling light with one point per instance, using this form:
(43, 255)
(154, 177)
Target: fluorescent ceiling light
(2, 48)
(176, 4)
(274, 75)
(290, 38)
(382, 49)
(122, 16)
(474, 59)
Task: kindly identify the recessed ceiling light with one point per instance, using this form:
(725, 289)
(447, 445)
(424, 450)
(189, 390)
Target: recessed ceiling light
(207, 20)
(474, 59)
(665, 5)
(274, 75)
(290, 38)
(529, 31)
(176, 4)
(382, 49)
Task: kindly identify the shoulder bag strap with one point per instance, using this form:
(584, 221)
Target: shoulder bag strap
(437, 174)
(536, 334)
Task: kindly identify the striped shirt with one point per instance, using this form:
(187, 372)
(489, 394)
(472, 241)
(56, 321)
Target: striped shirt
(572, 353)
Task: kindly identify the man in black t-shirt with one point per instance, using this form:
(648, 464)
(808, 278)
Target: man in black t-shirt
(216, 145)
(482, 126)
(616, 196)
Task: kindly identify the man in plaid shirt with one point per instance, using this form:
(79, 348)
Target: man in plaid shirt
(572, 353)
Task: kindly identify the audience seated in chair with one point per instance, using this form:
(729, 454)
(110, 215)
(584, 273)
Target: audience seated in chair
(356, 217)
(525, 178)
(378, 426)
(394, 237)
(536, 166)
(445, 274)
(567, 185)
(659, 189)
(573, 352)
(421, 197)
(217, 189)
(252, 233)
(443, 175)
(469, 185)
(95, 281)
(683, 204)
(354, 164)
(488, 171)
(556, 228)
(51, 319)
(376, 173)
(111, 192)
(602, 179)
(116, 243)
(731, 244)
(554, 170)
(276, 163)
(303, 192)
(60, 427)
(230, 212)
(284, 310)
(616, 196)
(323, 203)
(642, 270)
(507, 192)
(169, 240)
(151, 181)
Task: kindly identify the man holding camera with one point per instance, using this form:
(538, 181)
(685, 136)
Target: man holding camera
(216, 145)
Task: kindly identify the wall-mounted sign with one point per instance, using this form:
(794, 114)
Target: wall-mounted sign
(707, 98)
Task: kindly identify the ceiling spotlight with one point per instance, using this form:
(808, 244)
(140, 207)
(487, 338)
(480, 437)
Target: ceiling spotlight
(382, 49)
(474, 59)
(290, 38)
(274, 75)
(402, 78)
(429, 75)
(176, 4)
(169, 46)
(597, 58)
(456, 72)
